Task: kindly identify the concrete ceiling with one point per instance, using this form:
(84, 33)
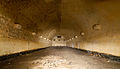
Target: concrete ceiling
(96, 18)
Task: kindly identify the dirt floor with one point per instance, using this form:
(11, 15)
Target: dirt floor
(58, 58)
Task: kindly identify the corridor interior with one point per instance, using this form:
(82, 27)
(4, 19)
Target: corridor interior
(59, 34)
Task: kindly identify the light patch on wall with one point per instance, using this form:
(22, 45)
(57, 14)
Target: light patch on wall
(17, 26)
(108, 45)
(51, 33)
(10, 46)
(108, 48)
(33, 33)
(82, 33)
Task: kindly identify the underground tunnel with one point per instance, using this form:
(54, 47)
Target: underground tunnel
(59, 34)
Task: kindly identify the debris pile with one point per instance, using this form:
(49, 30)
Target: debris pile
(52, 62)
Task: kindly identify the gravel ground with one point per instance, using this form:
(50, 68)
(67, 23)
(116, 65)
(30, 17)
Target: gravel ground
(58, 58)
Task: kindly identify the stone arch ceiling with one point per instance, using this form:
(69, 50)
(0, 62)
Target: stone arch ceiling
(65, 17)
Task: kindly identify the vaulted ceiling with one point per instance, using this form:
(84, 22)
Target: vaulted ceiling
(94, 18)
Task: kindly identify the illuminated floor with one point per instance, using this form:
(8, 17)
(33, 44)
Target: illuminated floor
(59, 58)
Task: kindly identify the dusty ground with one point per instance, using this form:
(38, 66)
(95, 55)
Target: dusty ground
(59, 58)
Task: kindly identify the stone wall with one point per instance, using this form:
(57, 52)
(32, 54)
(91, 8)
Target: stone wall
(14, 39)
